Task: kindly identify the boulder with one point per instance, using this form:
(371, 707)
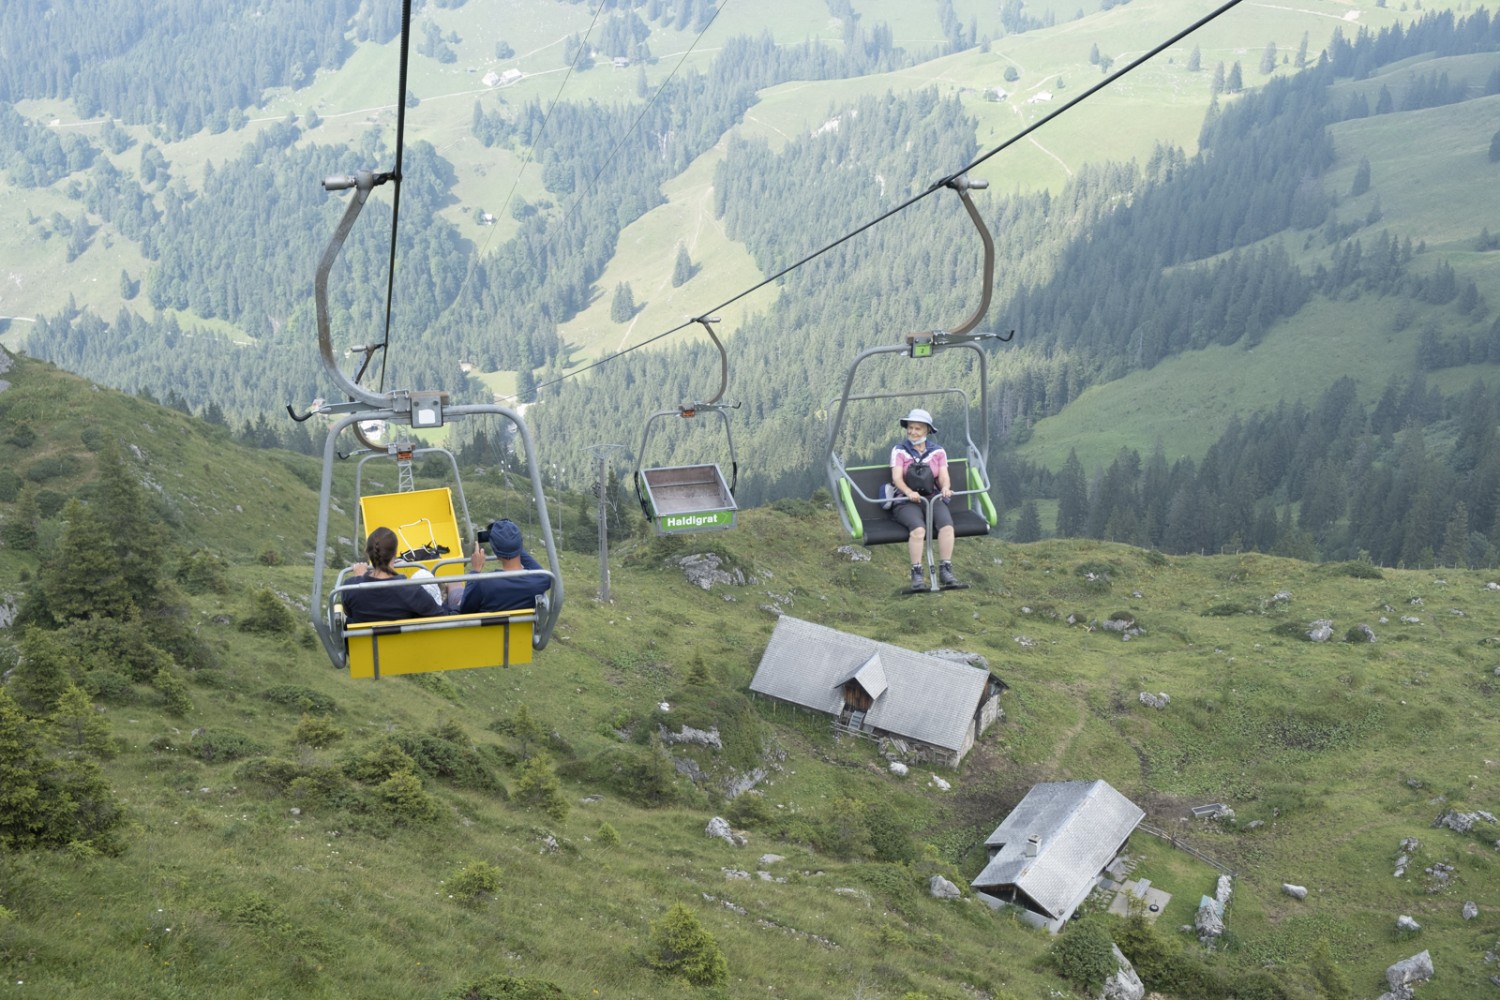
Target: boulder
(1406, 923)
(1417, 969)
(1157, 701)
(1321, 631)
(719, 827)
(1208, 923)
(1458, 822)
(702, 569)
(1124, 984)
(854, 553)
(1470, 910)
(1295, 891)
(898, 769)
(940, 888)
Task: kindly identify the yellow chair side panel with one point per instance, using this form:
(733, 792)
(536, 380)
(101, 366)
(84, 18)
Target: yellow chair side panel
(410, 514)
(440, 649)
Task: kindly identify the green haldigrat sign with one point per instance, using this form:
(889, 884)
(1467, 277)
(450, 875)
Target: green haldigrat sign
(701, 521)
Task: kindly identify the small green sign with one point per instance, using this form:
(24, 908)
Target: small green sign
(700, 521)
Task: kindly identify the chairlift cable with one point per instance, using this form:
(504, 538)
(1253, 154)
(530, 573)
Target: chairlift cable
(903, 206)
(395, 176)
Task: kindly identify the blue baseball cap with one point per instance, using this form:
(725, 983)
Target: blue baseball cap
(505, 539)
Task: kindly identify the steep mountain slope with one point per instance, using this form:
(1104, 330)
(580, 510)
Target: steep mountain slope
(289, 831)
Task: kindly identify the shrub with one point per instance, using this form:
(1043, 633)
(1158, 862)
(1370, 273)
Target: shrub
(202, 572)
(403, 796)
(321, 785)
(642, 775)
(507, 988)
(318, 731)
(268, 615)
(174, 692)
(215, 745)
(1083, 954)
(538, 787)
(475, 883)
(10, 486)
(52, 467)
(681, 946)
(1358, 569)
(607, 836)
(377, 761)
(109, 685)
(303, 698)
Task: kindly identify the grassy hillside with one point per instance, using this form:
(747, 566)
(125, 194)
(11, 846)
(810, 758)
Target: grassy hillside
(238, 881)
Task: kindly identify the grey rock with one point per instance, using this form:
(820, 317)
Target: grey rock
(940, 888)
(697, 737)
(1157, 701)
(899, 769)
(1124, 984)
(719, 827)
(1364, 632)
(1321, 631)
(770, 859)
(703, 569)
(1470, 910)
(1406, 923)
(1417, 969)
(1458, 822)
(1208, 923)
(1295, 891)
(854, 553)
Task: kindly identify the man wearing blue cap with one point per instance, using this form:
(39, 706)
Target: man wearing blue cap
(511, 590)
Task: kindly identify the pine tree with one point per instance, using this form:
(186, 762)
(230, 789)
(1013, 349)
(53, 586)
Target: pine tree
(622, 308)
(682, 269)
(681, 946)
(1028, 523)
(1072, 498)
(78, 727)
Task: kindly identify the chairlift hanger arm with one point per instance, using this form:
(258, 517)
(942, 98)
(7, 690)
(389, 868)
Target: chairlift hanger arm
(362, 183)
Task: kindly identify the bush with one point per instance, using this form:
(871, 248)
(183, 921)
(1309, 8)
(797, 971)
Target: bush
(213, 746)
(53, 467)
(318, 731)
(475, 883)
(680, 946)
(303, 698)
(607, 836)
(10, 486)
(268, 615)
(538, 787)
(642, 775)
(109, 686)
(403, 796)
(174, 693)
(508, 988)
(378, 761)
(1083, 954)
(202, 572)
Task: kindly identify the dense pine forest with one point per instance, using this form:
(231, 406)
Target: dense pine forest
(1129, 265)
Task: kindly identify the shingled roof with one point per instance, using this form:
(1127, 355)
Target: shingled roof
(1079, 826)
(917, 696)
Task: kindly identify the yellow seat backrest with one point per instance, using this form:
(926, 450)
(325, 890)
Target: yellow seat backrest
(454, 642)
(419, 518)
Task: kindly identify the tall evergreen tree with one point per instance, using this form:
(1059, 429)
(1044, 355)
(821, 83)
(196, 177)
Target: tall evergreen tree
(1072, 498)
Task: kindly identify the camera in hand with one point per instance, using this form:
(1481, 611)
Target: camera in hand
(483, 536)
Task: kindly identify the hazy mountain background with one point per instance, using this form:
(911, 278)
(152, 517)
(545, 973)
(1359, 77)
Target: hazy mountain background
(1251, 282)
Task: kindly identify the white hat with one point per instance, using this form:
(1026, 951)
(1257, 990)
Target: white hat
(921, 417)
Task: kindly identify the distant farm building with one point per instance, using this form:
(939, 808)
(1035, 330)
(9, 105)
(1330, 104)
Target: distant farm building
(1040, 97)
(1049, 853)
(490, 79)
(997, 94)
(877, 689)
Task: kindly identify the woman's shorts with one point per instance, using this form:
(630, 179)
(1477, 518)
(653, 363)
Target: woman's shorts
(912, 516)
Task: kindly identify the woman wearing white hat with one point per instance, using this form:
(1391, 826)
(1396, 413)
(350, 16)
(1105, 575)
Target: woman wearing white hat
(919, 470)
